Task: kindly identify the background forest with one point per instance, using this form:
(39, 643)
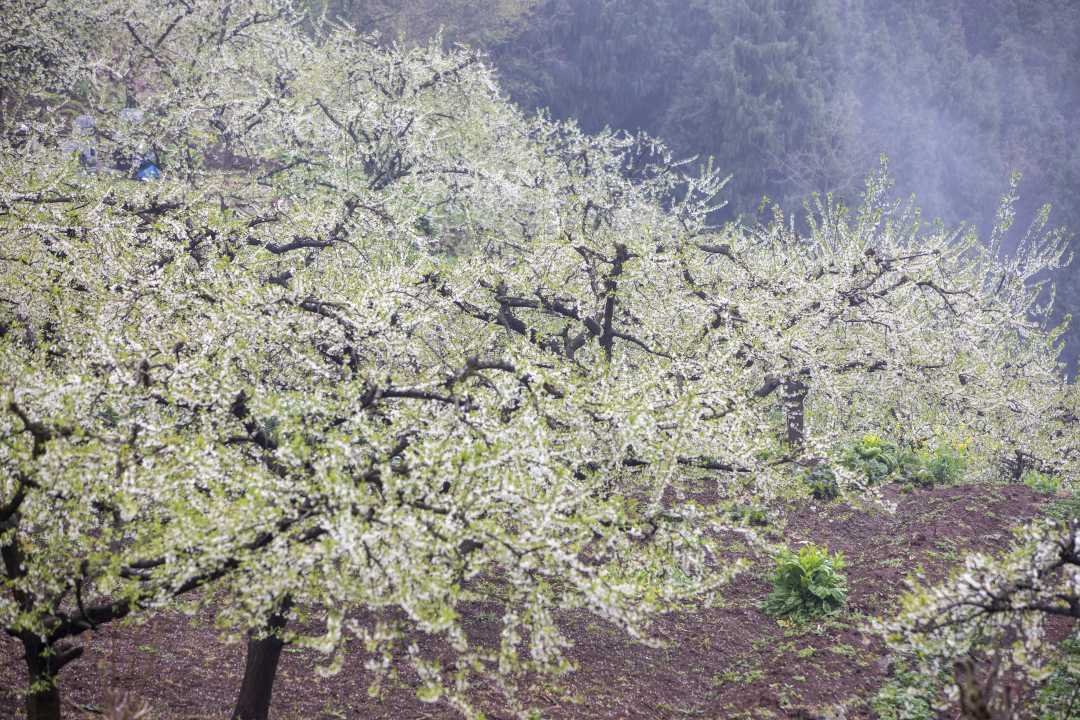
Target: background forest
(794, 97)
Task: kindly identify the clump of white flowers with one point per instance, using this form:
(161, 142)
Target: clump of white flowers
(994, 606)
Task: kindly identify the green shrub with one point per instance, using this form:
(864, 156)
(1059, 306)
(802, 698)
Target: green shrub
(912, 470)
(879, 460)
(1041, 482)
(871, 456)
(807, 583)
(907, 695)
(944, 465)
(1059, 697)
(947, 464)
(1065, 509)
(750, 515)
(822, 483)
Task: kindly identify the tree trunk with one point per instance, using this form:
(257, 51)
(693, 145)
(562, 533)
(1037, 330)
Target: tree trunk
(44, 705)
(43, 700)
(983, 700)
(260, 667)
(794, 401)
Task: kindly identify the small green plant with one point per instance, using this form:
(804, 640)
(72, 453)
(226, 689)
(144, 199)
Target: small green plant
(807, 583)
(750, 515)
(1059, 697)
(875, 458)
(946, 464)
(1065, 509)
(907, 695)
(739, 675)
(822, 483)
(1041, 482)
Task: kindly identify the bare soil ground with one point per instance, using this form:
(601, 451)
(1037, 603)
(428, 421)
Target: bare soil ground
(729, 662)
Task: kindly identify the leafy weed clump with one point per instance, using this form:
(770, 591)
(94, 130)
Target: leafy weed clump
(822, 483)
(808, 583)
(874, 458)
(1065, 509)
(1059, 697)
(880, 460)
(1041, 482)
(750, 515)
(908, 695)
(944, 465)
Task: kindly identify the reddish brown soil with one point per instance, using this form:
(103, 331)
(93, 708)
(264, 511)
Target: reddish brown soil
(734, 661)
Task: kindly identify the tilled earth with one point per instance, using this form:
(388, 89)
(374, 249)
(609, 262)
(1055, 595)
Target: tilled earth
(728, 662)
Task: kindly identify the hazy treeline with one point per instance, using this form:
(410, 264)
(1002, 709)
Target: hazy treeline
(800, 96)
